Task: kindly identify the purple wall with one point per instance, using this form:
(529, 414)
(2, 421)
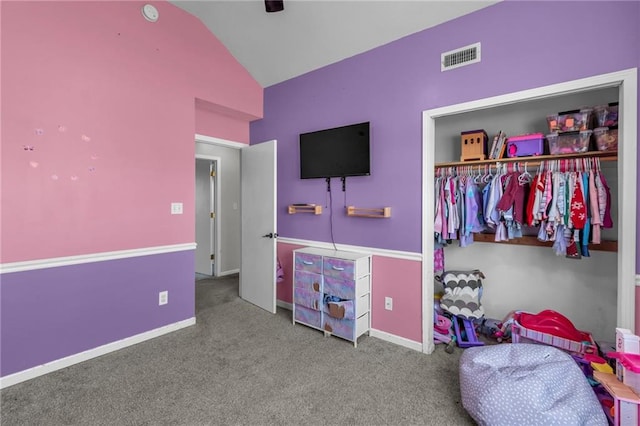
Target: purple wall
(391, 86)
(48, 314)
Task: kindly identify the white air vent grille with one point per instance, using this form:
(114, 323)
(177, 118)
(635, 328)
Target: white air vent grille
(460, 57)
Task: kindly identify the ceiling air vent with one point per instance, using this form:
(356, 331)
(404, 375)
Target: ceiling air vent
(460, 57)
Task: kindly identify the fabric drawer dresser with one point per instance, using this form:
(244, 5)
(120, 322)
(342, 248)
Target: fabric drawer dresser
(332, 291)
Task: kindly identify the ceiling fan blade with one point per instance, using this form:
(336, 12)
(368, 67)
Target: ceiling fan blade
(274, 5)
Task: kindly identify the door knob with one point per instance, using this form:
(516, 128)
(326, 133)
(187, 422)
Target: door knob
(270, 235)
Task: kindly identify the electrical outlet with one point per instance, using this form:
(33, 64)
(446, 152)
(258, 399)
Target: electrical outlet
(163, 298)
(388, 303)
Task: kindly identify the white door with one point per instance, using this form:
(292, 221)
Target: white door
(258, 234)
(204, 249)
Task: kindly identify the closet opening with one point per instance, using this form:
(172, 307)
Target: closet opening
(597, 292)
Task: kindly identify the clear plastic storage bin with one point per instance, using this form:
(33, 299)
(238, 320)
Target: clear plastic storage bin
(571, 121)
(606, 138)
(569, 143)
(606, 115)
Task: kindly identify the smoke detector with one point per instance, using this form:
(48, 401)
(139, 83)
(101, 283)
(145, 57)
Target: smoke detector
(150, 12)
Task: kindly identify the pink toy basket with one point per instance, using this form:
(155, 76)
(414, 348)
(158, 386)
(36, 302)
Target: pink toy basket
(551, 328)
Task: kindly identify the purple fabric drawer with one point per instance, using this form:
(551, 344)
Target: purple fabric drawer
(340, 310)
(344, 289)
(307, 298)
(308, 316)
(525, 145)
(344, 328)
(308, 262)
(308, 281)
(339, 268)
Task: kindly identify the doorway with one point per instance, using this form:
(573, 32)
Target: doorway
(244, 219)
(206, 206)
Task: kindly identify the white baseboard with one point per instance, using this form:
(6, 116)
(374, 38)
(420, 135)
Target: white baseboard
(284, 305)
(401, 341)
(229, 272)
(49, 367)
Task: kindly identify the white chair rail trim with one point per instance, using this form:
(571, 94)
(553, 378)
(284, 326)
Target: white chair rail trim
(396, 254)
(30, 265)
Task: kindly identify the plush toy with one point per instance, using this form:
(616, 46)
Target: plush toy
(495, 329)
(490, 327)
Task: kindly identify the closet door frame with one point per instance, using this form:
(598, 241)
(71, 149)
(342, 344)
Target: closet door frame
(626, 82)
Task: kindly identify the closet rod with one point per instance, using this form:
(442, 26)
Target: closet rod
(535, 161)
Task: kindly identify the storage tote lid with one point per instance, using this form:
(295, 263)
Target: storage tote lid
(526, 137)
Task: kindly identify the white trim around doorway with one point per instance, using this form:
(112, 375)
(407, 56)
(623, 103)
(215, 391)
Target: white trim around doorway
(626, 81)
(215, 207)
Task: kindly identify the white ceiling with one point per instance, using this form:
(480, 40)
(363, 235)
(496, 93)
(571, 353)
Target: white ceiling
(309, 34)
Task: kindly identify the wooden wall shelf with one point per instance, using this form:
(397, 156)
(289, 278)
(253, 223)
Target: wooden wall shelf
(384, 212)
(609, 246)
(311, 208)
(535, 161)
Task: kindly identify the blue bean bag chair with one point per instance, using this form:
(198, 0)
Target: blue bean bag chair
(526, 384)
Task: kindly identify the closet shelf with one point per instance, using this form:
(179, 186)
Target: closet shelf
(384, 212)
(535, 161)
(309, 208)
(609, 246)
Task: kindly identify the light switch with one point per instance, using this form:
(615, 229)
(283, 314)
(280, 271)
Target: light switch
(176, 208)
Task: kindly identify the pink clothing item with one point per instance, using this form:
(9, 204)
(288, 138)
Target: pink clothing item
(438, 261)
(437, 223)
(443, 204)
(596, 221)
(596, 235)
(508, 196)
(554, 214)
(607, 222)
(545, 197)
(602, 196)
(578, 209)
(452, 191)
(531, 201)
(279, 272)
(452, 211)
(519, 203)
(572, 246)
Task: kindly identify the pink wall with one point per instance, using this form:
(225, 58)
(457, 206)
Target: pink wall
(401, 280)
(99, 120)
(210, 122)
(284, 290)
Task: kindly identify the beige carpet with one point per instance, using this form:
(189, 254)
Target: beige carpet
(240, 365)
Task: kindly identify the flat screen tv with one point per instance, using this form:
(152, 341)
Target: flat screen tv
(338, 152)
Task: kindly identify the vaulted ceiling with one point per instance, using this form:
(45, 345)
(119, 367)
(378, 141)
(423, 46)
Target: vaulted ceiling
(309, 34)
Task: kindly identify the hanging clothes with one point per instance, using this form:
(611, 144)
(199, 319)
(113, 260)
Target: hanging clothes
(569, 202)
